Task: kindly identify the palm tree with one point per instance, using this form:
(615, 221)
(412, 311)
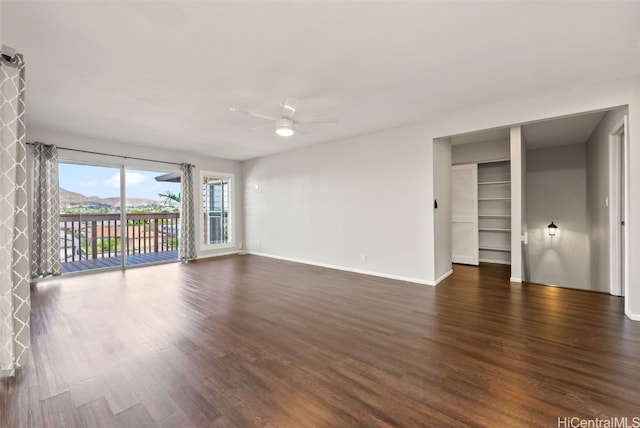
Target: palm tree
(170, 196)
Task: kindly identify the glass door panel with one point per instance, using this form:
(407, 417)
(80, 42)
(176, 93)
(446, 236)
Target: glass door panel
(89, 217)
(152, 202)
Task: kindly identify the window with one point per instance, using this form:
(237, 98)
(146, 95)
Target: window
(217, 211)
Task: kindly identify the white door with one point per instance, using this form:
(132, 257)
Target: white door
(464, 211)
(619, 195)
(623, 210)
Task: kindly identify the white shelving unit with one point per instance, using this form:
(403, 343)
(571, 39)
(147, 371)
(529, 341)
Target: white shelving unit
(494, 212)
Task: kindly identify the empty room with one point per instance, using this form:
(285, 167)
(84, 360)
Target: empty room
(319, 214)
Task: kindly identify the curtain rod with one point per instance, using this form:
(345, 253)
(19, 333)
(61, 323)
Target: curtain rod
(8, 55)
(112, 155)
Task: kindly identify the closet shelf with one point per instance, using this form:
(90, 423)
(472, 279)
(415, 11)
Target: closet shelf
(489, 248)
(494, 212)
(489, 183)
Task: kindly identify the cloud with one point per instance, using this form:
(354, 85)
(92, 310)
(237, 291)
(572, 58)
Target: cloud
(133, 178)
(90, 183)
(113, 181)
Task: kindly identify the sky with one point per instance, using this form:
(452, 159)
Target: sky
(104, 182)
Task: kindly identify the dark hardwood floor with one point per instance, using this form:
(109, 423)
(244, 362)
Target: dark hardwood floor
(245, 341)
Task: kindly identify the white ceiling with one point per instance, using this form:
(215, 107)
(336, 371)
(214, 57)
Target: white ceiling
(575, 129)
(496, 134)
(561, 132)
(164, 74)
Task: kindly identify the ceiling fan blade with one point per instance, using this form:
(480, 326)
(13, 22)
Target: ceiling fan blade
(300, 131)
(288, 107)
(254, 114)
(317, 120)
(264, 125)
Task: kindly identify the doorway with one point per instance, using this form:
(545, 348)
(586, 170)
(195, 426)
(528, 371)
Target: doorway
(565, 167)
(618, 190)
(113, 217)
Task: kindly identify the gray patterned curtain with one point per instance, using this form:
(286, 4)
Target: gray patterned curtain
(45, 241)
(15, 303)
(187, 245)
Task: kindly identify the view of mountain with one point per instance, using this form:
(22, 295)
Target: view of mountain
(69, 198)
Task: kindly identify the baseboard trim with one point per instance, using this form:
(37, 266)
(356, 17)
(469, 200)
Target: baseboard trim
(499, 262)
(513, 279)
(632, 316)
(226, 253)
(444, 276)
(343, 268)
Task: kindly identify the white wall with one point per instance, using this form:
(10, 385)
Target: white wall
(524, 221)
(480, 152)
(128, 151)
(517, 150)
(632, 293)
(597, 191)
(332, 203)
(557, 191)
(442, 193)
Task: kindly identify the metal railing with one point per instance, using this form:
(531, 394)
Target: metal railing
(94, 236)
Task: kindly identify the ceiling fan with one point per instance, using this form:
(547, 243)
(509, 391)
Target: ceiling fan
(286, 124)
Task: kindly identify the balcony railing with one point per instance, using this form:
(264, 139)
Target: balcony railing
(99, 236)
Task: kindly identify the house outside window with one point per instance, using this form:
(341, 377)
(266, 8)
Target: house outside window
(217, 211)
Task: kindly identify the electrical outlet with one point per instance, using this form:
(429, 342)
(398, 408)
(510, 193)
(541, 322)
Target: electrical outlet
(363, 258)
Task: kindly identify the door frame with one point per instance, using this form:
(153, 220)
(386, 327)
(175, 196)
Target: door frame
(618, 147)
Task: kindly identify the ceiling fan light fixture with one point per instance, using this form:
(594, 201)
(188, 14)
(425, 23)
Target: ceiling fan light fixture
(286, 124)
(284, 131)
(284, 127)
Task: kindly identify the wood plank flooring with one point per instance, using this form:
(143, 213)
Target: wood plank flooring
(246, 341)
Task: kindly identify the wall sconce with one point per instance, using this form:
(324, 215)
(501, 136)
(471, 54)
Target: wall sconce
(552, 229)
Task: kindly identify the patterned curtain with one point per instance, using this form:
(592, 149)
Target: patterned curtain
(15, 303)
(187, 246)
(45, 242)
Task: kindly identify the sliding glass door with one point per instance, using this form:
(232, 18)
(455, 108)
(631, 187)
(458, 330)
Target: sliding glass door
(90, 217)
(97, 233)
(153, 214)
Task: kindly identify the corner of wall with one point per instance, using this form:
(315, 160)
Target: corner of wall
(517, 198)
(443, 276)
(632, 316)
(442, 214)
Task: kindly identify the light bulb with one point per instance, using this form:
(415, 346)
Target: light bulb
(284, 131)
